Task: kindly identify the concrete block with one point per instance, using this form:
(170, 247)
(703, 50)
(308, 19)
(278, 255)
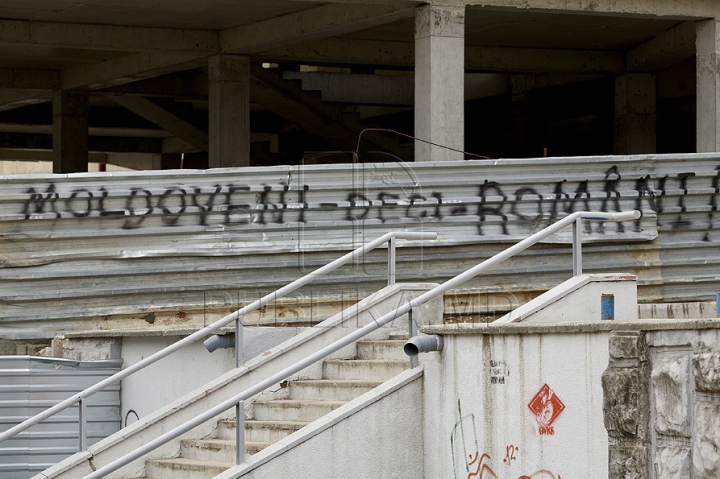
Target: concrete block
(670, 386)
(627, 345)
(92, 349)
(621, 405)
(627, 463)
(706, 452)
(707, 372)
(672, 462)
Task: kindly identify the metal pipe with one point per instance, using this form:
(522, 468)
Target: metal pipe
(82, 424)
(219, 341)
(196, 336)
(239, 333)
(391, 261)
(423, 344)
(412, 332)
(577, 247)
(355, 335)
(240, 432)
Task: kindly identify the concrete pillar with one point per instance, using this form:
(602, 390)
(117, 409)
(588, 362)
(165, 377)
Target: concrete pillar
(439, 81)
(635, 114)
(70, 131)
(229, 92)
(519, 84)
(708, 85)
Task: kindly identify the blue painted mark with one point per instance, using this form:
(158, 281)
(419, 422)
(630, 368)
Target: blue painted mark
(607, 306)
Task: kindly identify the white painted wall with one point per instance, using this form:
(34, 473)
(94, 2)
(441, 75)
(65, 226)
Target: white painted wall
(377, 435)
(579, 299)
(469, 414)
(184, 370)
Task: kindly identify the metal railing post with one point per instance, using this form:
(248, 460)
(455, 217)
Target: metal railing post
(238, 340)
(577, 247)
(240, 432)
(82, 424)
(412, 332)
(391, 261)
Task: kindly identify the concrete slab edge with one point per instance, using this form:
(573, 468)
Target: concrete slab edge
(571, 327)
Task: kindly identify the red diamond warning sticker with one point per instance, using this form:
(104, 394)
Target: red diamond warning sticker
(546, 407)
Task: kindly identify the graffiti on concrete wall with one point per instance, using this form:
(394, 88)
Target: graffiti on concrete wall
(499, 370)
(470, 463)
(493, 202)
(546, 406)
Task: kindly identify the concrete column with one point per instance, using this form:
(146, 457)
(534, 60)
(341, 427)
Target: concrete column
(708, 85)
(439, 81)
(229, 92)
(70, 131)
(519, 84)
(635, 114)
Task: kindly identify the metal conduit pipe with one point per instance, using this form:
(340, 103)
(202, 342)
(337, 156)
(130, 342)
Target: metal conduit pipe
(357, 334)
(423, 344)
(217, 341)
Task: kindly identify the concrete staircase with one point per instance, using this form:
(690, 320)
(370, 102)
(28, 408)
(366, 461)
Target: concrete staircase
(306, 400)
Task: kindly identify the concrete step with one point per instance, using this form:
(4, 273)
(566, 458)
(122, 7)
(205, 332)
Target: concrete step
(398, 336)
(181, 468)
(389, 349)
(217, 450)
(294, 410)
(330, 389)
(260, 431)
(366, 369)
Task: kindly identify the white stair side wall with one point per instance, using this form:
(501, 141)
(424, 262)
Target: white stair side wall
(578, 299)
(377, 435)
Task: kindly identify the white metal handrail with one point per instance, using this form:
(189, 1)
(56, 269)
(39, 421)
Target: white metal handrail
(198, 335)
(408, 308)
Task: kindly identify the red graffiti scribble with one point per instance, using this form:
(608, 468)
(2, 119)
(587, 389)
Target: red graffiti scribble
(510, 454)
(545, 475)
(546, 407)
(482, 468)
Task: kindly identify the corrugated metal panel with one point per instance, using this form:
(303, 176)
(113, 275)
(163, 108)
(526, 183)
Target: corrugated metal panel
(29, 385)
(689, 225)
(90, 251)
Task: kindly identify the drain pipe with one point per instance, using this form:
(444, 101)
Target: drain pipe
(423, 344)
(216, 341)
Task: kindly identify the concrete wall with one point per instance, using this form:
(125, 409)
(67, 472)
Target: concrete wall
(487, 399)
(605, 399)
(184, 370)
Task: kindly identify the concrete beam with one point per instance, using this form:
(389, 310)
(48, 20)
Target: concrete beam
(323, 120)
(46, 80)
(679, 10)
(129, 68)
(489, 59)
(667, 49)
(11, 99)
(97, 144)
(314, 24)
(107, 37)
(42, 155)
(182, 86)
(164, 119)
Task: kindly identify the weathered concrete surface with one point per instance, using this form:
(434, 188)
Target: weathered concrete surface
(439, 82)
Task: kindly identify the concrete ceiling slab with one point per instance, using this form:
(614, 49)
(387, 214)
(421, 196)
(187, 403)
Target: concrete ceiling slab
(537, 30)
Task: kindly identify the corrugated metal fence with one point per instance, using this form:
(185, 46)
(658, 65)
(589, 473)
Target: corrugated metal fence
(28, 386)
(160, 249)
